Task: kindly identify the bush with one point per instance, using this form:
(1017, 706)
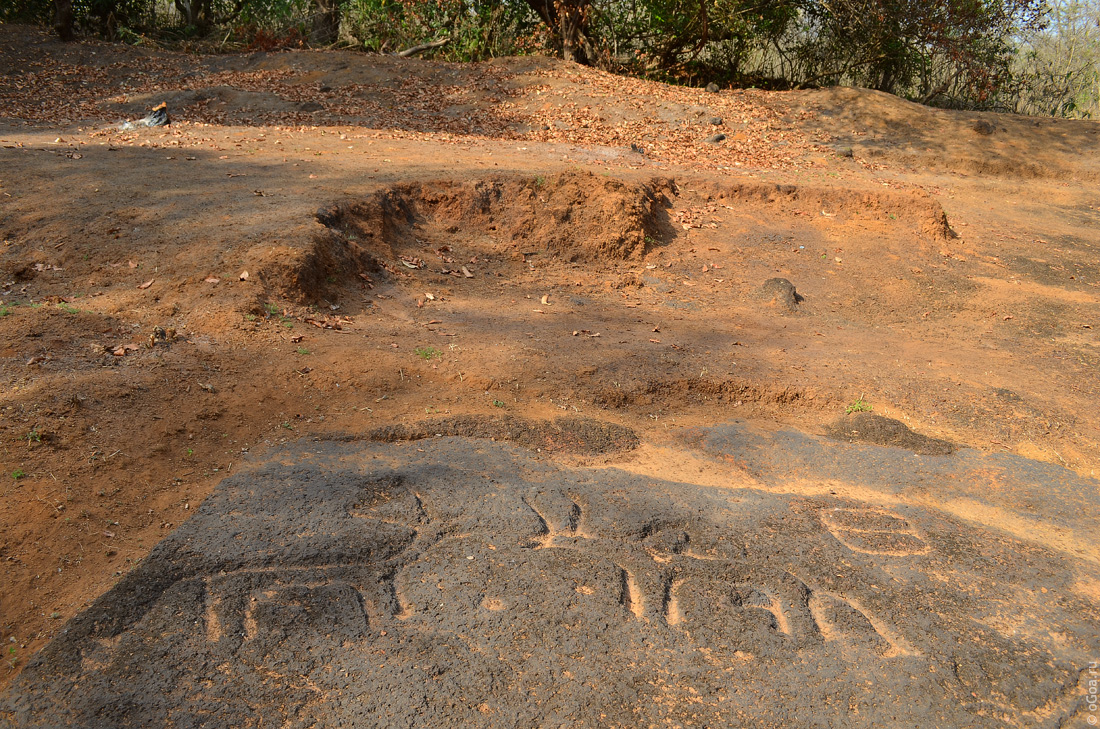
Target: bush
(477, 30)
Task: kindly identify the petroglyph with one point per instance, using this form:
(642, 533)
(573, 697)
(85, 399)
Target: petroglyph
(872, 531)
(629, 594)
(846, 621)
(486, 593)
(761, 598)
(673, 614)
(551, 535)
(653, 567)
(211, 620)
(256, 604)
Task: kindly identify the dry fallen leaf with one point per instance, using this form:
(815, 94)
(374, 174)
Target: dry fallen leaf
(546, 299)
(466, 272)
(429, 296)
(243, 276)
(212, 279)
(132, 264)
(147, 284)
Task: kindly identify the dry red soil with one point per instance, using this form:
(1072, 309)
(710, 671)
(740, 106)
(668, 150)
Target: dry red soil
(327, 242)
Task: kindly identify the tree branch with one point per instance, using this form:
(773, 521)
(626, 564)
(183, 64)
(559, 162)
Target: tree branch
(423, 47)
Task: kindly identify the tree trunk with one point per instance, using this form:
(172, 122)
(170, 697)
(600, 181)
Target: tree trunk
(186, 11)
(326, 22)
(573, 21)
(63, 19)
(568, 20)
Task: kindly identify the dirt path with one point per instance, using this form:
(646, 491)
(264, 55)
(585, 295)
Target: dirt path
(139, 365)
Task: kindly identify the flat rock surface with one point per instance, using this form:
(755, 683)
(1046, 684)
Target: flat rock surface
(460, 582)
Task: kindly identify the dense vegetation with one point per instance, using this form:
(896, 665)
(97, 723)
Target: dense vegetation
(1032, 56)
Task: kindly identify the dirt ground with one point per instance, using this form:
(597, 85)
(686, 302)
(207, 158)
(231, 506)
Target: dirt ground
(341, 244)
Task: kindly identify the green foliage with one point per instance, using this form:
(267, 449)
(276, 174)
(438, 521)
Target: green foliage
(477, 30)
(26, 11)
(427, 353)
(977, 54)
(18, 474)
(954, 52)
(688, 39)
(1057, 68)
(859, 406)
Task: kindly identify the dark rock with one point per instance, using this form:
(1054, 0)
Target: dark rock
(876, 429)
(328, 215)
(716, 138)
(310, 106)
(716, 121)
(780, 292)
(462, 583)
(983, 127)
(712, 87)
(845, 152)
(636, 148)
(1010, 395)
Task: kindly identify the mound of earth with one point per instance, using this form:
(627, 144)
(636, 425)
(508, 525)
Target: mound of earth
(780, 293)
(880, 127)
(455, 582)
(871, 428)
(569, 435)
